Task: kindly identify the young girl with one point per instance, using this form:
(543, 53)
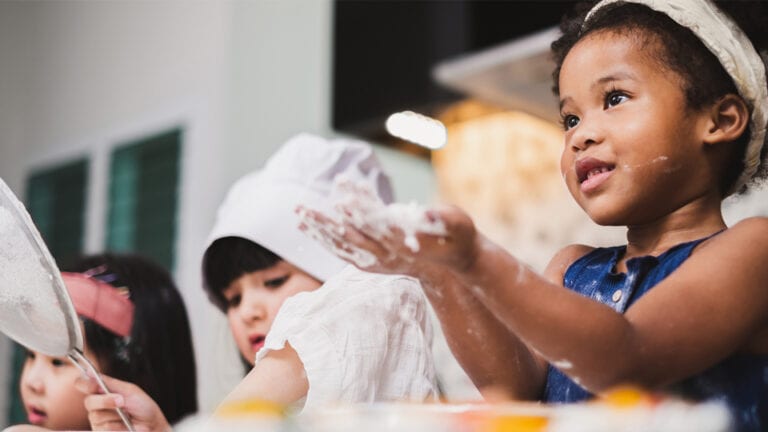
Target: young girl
(135, 328)
(264, 274)
(314, 330)
(664, 108)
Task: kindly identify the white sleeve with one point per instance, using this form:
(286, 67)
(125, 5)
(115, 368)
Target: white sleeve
(362, 337)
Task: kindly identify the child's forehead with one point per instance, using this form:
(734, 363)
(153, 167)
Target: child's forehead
(642, 40)
(607, 48)
(616, 49)
(31, 352)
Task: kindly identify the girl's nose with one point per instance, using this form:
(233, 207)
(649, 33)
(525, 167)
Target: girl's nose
(585, 134)
(32, 377)
(253, 308)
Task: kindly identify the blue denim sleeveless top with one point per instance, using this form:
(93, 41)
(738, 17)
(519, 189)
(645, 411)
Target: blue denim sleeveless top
(740, 381)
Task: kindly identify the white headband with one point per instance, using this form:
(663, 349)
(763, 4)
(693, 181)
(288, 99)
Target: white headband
(730, 45)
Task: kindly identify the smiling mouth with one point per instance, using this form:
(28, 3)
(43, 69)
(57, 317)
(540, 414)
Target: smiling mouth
(590, 167)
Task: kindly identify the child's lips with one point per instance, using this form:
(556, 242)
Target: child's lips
(36, 416)
(257, 341)
(592, 172)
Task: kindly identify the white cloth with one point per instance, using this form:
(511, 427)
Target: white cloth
(362, 337)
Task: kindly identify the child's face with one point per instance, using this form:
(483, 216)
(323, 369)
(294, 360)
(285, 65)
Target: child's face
(49, 394)
(632, 146)
(254, 299)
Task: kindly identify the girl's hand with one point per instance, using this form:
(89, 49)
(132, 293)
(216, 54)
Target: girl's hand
(400, 239)
(141, 410)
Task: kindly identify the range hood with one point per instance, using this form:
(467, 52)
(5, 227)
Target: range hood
(515, 75)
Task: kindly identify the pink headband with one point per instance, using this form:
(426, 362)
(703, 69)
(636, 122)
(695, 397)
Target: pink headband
(100, 302)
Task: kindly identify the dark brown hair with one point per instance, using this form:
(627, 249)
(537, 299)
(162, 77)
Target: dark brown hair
(229, 258)
(158, 357)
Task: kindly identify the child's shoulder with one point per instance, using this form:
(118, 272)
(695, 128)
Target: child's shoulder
(742, 249)
(360, 279)
(751, 233)
(757, 224)
(563, 259)
(352, 288)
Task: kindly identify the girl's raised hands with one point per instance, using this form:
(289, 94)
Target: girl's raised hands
(395, 238)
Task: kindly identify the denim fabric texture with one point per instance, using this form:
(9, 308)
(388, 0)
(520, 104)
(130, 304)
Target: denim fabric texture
(739, 381)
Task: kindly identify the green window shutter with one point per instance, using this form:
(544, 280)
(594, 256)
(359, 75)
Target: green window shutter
(143, 196)
(56, 201)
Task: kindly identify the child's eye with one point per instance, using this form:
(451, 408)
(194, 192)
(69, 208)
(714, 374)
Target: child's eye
(276, 282)
(569, 121)
(614, 98)
(233, 301)
(30, 355)
(58, 362)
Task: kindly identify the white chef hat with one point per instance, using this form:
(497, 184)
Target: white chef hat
(260, 206)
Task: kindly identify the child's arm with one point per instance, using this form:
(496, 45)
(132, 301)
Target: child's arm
(714, 305)
(278, 377)
(495, 359)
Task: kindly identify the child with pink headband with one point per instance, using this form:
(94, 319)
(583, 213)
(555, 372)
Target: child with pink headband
(135, 323)
(664, 111)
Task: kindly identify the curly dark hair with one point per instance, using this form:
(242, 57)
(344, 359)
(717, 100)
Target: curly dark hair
(676, 49)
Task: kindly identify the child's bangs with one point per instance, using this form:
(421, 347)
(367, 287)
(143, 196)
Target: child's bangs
(229, 258)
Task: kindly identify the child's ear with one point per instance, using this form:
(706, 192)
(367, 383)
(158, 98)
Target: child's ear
(728, 119)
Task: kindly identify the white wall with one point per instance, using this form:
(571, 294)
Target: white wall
(77, 78)
(280, 84)
(86, 76)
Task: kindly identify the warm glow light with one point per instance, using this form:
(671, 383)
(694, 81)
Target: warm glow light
(418, 129)
(496, 161)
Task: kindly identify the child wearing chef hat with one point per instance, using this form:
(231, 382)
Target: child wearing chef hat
(316, 330)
